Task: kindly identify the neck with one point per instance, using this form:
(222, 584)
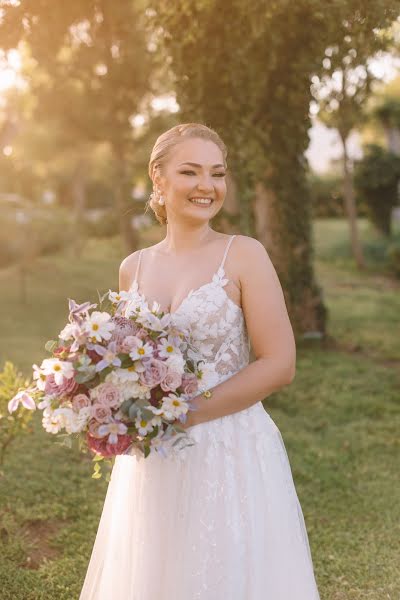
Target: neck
(184, 238)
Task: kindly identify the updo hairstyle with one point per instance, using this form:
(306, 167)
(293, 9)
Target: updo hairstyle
(162, 149)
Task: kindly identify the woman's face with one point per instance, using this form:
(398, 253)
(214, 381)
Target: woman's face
(194, 170)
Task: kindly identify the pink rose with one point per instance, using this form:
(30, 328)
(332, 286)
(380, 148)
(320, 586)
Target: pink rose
(80, 401)
(171, 381)
(154, 372)
(189, 383)
(67, 388)
(101, 413)
(107, 394)
(101, 446)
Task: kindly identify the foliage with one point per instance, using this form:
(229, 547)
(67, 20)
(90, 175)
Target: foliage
(105, 225)
(32, 231)
(393, 258)
(11, 425)
(377, 179)
(89, 74)
(345, 84)
(388, 112)
(326, 195)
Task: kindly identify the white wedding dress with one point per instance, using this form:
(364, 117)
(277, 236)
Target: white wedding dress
(216, 520)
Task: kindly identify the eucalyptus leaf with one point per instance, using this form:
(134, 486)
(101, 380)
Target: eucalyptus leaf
(50, 345)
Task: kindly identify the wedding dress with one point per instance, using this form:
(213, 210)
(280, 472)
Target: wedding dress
(216, 520)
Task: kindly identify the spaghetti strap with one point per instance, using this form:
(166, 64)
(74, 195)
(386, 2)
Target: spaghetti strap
(138, 265)
(226, 251)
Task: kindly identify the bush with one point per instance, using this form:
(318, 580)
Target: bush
(11, 425)
(393, 258)
(376, 179)
(104, 225)
(33, 231)
(326, 195)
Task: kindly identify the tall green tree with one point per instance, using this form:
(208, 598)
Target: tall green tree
(95, 68)
(344, 87)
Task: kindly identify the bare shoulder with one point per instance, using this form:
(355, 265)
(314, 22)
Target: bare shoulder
(127, 270)
(252, 259)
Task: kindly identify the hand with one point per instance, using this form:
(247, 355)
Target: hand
(191, 419)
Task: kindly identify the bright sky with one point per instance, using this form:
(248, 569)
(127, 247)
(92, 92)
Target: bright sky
(9, 70)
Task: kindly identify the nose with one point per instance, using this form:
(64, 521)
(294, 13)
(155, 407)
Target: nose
(205, 182)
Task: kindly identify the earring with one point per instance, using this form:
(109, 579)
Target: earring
(161, 200)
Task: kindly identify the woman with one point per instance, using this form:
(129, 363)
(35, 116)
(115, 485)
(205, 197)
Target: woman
(220, 518)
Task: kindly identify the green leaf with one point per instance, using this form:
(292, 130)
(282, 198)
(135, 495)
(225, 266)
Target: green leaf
(98, 457)
(51, 345)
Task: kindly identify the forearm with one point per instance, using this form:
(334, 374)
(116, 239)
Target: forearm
(246, 387)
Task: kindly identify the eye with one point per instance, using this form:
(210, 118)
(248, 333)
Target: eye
(193, 173)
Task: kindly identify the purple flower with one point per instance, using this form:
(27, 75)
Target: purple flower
(112, 429)
(76, 311)
(109, 355)
(24, 398)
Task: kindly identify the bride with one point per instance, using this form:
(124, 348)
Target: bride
(219, 518)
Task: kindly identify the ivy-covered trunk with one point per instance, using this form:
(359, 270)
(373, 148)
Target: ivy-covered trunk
(283, 226)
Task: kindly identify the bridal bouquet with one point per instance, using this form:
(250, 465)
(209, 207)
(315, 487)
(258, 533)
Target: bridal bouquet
(116, 382)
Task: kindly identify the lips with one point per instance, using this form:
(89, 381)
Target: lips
(211, 200)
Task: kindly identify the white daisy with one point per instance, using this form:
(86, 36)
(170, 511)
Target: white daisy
(143, 426)
(59, 368)
(99, 326)
(173, 406)
(167, 347)
(141, 350)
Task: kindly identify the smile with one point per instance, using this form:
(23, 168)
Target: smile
(202, 201)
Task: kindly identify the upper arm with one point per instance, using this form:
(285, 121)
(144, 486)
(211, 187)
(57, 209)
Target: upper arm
(267, 320)
(127, 270)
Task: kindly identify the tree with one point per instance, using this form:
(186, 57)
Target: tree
(345, 85)
(377, 179)
(94, 71)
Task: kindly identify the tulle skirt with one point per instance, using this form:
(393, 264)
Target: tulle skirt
(218, 519)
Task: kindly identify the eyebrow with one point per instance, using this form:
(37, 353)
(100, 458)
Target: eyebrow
(196, 165)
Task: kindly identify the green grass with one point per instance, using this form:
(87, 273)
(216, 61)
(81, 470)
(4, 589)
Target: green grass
(339, 420)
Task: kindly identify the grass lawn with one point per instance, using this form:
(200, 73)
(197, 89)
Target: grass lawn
(339, 419)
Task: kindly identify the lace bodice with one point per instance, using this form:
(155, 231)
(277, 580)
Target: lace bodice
(215, 323)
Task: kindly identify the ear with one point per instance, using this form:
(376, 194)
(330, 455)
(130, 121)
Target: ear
(158, 181)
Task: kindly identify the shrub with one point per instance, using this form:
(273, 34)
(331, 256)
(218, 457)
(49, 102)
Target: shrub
(11, 425)
(33, 231)
(393, 258)
(376, 179)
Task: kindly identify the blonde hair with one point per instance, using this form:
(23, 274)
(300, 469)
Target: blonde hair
(162, 149)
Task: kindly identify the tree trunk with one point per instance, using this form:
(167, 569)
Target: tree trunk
(285, 231)
(350, 207)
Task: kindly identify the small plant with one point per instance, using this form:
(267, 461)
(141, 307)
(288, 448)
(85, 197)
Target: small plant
(11, 425)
